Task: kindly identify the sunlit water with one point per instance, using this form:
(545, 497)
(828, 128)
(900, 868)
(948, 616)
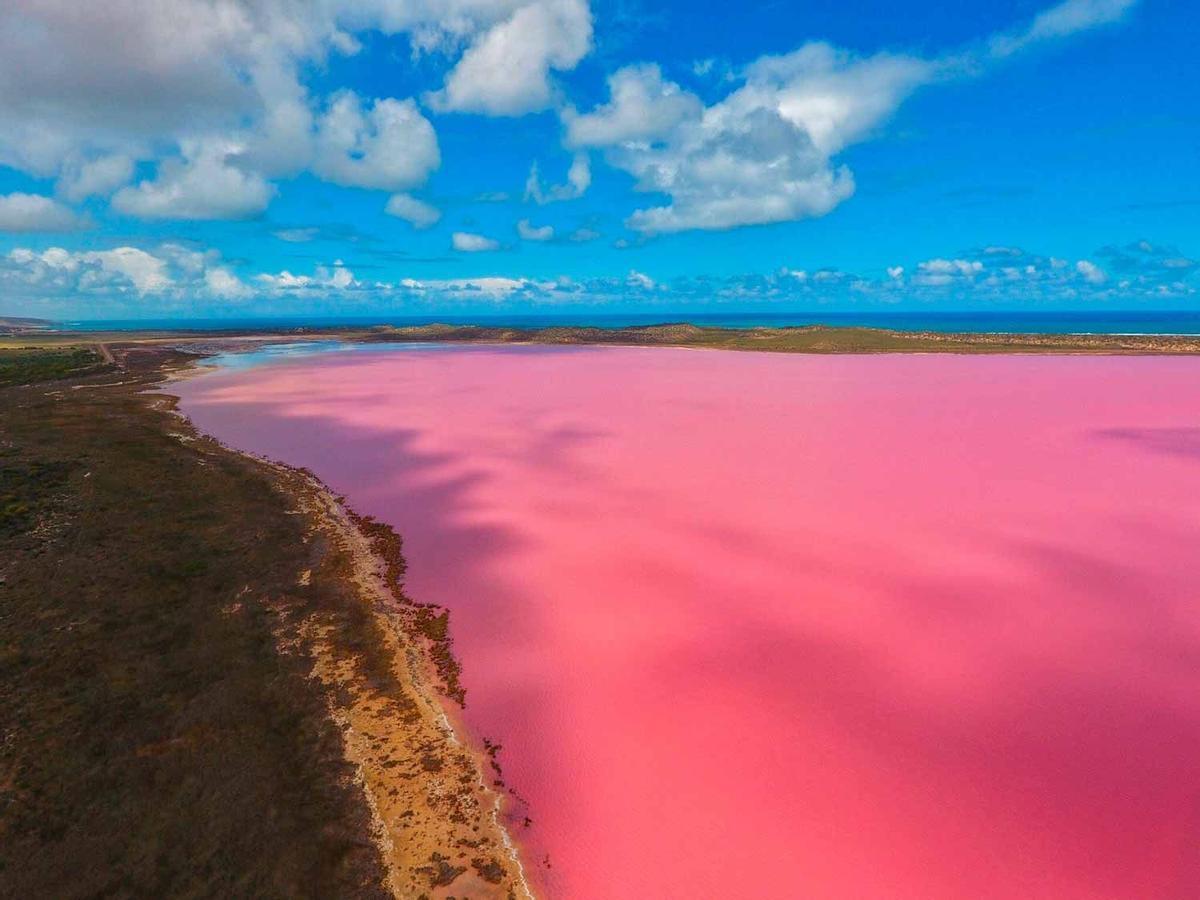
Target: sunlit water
(754, 625)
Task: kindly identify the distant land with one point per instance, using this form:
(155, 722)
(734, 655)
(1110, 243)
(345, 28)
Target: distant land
(996, 321)
(21, 324)
(803, 339)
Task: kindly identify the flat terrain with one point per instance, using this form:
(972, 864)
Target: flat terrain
(807, 339)
(813, 339)
(185, 645)
(18, 366)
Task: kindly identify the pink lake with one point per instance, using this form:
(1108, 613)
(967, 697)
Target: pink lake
(753, 625)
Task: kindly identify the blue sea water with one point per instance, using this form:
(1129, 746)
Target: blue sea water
(1016, 322)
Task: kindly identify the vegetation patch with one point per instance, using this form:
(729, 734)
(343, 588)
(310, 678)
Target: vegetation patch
(33, 364)
(156, 742)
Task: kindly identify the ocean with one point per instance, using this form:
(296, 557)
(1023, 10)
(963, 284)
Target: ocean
(1017, 322)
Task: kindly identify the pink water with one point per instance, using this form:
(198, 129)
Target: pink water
(753, 625)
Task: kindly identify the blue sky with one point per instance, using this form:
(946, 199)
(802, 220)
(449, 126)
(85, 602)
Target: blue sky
(271, 157)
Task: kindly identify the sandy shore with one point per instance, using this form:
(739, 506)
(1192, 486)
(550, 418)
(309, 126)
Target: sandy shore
(434, 811)
(437, 820)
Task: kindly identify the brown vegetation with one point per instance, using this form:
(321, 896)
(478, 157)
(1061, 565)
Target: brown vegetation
(802, 339)
(806, 339)
(207, 689)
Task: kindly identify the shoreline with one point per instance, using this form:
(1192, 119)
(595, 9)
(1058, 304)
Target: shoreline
(370, 576)
(375, 557)
(804, 339)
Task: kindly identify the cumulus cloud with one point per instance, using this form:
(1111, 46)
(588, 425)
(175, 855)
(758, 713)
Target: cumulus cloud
(324, 279)
(204, 183)
(221, 282)
(173, 274)
(146, 272)
(33, 212)
(529, 232)
(946, 271)
(390, 147)
(493, 286)
(1091, 272)
(579, 178)
(642, 107)
(416, 212)
(640, 280)
(764, 153)
(767, 151)
(97, 177)
(87, 90)
(465, 242)
(506, 70)
(163, 272)
(762, 169)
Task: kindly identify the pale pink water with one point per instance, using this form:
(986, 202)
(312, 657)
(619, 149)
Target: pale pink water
(791, 626)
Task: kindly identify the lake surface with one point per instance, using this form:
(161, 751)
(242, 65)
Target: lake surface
(758, 625)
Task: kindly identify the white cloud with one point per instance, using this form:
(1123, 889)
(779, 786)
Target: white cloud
(392, 147)
(734, 167)
(324, 279)
(144, 272)
(1061, 21)
(936, 272)
(640, 280)
(489, 285)
(642, 107)
(506, 71)
(465, 242)
(167, 273)
(530, 233)
(89, 89)
(764, 153)
(416, 212)
(178, 276)
(579, 178)
(296, 235)
(221, 282)
(767, 151)
(134, 71)
(205, 183)
(1091, 272)
(86, 87)
(951, 266)
(147, 273)
(583, 235)
(97, 177)
(835, 97)
(33, 212)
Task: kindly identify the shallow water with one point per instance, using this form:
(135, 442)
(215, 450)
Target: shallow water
(754, 625)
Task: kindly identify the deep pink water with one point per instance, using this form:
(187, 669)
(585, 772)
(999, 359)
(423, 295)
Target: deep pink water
(793, 626)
